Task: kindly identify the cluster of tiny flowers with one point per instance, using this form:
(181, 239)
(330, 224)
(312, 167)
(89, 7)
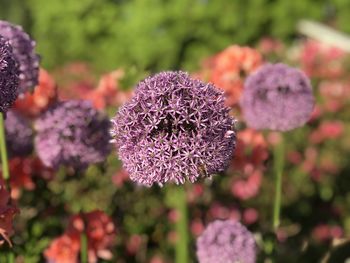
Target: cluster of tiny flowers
(8, 76)
(72, 133)
(174, 128)
(23, 50)
(277, 97)
(226, 242)
(19, 135)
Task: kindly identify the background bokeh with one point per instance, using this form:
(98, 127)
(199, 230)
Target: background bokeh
(159, 34)
(98, 50)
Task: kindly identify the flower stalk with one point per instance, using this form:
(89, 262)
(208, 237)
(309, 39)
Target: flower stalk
(83, 248)
(278, 168)
(181, 250)
(4, 159)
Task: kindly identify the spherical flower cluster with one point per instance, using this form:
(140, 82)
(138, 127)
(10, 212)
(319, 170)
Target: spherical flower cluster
(9, 76)
(174, 128)
(277, 97)
(72, 133)
(19, 135)
(226, 242)
(100, 232)
(228, 69)
(23, 49)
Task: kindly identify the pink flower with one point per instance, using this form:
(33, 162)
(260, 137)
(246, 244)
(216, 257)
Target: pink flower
(327, 130)
(269, 46)
(120, 177)
(322, 61)
(250, 216)
(133, 244)
(251, 148)
(245, 189)
(197, 227)
(323, 232)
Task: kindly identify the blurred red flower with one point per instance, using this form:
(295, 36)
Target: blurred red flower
(32, 104)
(250, 155)
(251, 149)
(100, 231)
(324, 232)
(133, 244)
(120, 177)
(7, 212)
(108, 91)
(269, 46)
(322, 61)
(22, 171)
(327, 130)
(247, 188)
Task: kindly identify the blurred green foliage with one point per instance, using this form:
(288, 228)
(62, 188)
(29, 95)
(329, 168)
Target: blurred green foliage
(159, 34)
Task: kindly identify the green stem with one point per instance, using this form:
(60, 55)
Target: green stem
(4, 161)
(11, 257)
(278, 167)
(83, 248)
(182, 253)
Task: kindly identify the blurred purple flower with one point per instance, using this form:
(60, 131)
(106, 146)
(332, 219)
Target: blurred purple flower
(23, 49)
(8, 76)
(226, 242)
(19, 135)
(174, 128)
(277, 97)
(72, 133)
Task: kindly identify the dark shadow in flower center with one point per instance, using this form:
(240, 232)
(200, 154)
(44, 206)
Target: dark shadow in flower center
(283, 90)
(262, 94)
(170, 126)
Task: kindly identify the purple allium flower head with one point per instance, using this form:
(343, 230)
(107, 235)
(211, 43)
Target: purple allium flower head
(19, 134)
(23, 50)
(277, 97)
(9, 79)
(72, 133)
(226, 242)
(174, 128)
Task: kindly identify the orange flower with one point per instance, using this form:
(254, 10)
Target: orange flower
(107, 92)
(228, 69)
(32, 104)
(64, 249)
